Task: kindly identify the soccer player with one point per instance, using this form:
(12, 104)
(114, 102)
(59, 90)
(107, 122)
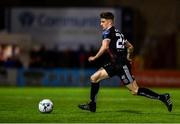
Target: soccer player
(120, 50)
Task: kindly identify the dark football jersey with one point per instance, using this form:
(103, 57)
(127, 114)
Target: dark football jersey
(117, 48)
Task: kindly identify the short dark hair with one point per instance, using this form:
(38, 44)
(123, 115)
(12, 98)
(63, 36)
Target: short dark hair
(107, 15)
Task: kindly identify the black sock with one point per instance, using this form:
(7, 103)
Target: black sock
(148, 93)
(94, 91)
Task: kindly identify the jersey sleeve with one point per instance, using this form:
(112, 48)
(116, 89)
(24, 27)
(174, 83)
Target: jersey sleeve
(106, 34)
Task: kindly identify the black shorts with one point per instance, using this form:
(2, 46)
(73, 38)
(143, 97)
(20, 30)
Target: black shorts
(123, 71)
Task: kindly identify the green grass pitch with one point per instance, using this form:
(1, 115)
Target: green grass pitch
(20, 105)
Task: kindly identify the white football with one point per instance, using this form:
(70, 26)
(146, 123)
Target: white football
(45, 106)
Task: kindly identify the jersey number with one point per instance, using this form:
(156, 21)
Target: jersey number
(120, 42)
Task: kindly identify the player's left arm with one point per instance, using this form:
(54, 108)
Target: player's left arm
(130, 50)
(104, 47)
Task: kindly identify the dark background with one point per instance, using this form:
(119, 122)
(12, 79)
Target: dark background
(153, 30)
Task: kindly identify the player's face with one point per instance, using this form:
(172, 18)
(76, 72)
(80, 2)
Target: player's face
(105, 23)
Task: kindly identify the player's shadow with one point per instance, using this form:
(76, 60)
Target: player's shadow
(131, 111)
(125, 111)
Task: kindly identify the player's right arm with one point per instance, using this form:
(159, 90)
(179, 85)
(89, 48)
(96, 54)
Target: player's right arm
(104, 47)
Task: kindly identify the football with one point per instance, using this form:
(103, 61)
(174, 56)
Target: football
(45, 106)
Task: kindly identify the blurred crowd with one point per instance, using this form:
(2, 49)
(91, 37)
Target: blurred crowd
(153, 53)
(41, 57)
(52, 58)
(9, 56)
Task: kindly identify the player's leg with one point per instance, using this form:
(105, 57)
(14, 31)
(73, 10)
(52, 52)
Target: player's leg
(95, 79)
(131, 84)
(133, 87)
(101, 74)
(165, 98)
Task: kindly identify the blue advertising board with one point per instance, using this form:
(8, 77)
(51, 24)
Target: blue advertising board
(59, 77)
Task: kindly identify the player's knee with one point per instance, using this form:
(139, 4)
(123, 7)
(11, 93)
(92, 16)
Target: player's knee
(93, 79)
(134, 92)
